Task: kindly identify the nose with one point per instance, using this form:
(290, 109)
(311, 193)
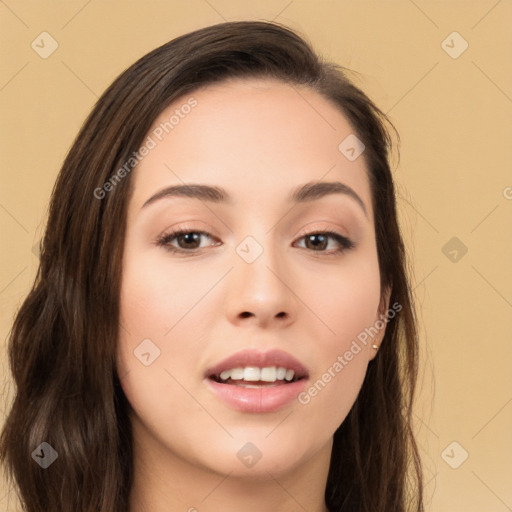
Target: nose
(261, 291)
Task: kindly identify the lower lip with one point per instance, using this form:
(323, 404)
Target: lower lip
(257, 400)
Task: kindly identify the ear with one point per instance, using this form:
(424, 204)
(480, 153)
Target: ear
(380, 322)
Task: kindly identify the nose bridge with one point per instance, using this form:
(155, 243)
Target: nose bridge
(258, 261)
(258, 246)
(258, 283)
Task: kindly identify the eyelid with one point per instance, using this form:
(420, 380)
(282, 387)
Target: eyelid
(314, 228)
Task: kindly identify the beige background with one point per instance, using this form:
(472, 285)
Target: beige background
(454, 176)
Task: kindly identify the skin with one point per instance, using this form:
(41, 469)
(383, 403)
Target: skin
(258, 139)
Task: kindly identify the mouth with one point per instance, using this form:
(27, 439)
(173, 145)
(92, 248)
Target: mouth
(256, 382)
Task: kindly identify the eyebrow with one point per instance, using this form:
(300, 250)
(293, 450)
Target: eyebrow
(311, 191)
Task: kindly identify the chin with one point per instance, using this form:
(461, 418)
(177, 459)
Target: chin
(257, 457)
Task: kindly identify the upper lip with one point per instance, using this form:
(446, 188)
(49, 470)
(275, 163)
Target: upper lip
(260, 359)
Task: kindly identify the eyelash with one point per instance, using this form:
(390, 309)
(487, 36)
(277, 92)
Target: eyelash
(163, 241)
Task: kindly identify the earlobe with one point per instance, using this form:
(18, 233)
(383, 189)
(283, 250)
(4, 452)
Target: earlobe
(380, 322)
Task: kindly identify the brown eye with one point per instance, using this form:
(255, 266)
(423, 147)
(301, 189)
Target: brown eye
(186, 241)
(190, 240)
(319, 241)
(316, 241)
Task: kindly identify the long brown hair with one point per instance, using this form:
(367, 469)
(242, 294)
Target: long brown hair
(63, 341)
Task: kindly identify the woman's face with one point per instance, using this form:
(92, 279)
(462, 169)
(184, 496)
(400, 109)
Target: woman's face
(254, 275)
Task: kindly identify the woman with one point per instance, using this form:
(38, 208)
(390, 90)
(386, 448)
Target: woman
(222, 317)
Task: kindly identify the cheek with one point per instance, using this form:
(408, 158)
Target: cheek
(154, 296)
(153, 317)
(347, 305)
(155, 368)
(346, 302)
(160, 338)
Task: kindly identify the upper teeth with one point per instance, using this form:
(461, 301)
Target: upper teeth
(254, 374)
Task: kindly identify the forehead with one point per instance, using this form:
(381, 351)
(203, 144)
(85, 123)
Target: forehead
(258, 138)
